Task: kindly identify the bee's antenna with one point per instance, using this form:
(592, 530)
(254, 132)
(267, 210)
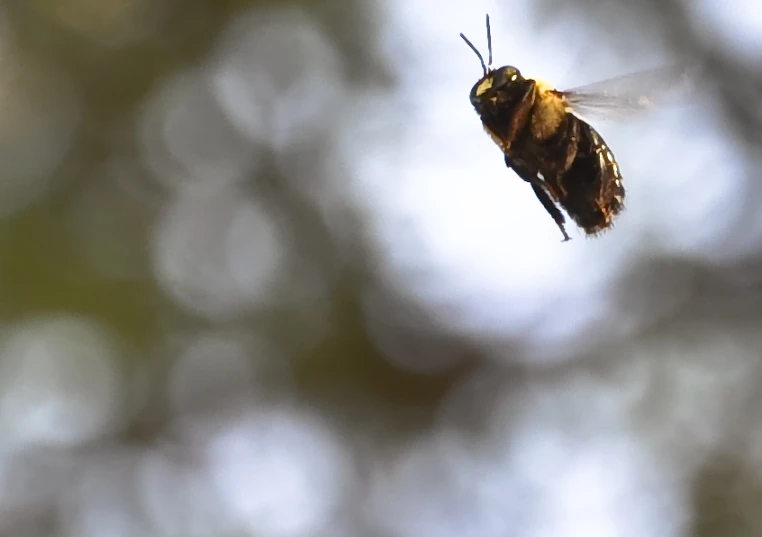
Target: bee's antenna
(484, 67)
(489, 43)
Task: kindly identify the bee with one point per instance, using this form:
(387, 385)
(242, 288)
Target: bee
(544, 140)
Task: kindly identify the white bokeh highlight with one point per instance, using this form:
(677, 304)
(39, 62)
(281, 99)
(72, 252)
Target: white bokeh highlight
(60, 382)
(280, 472)
(737, 26)
(218, 253)
(436, 487)
(103, 497)
(277, 76)
(32, 483)
(702, 378)
(530, 473)
(176, 494)
(597, 487)
(186, 139)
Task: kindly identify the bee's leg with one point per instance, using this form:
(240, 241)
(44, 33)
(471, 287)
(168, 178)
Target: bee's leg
(544, 198)
(542, 195)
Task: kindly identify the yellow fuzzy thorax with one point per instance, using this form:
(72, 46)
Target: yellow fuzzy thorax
(549, 111)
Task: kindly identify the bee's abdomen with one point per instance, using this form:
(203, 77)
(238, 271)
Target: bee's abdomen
(593, 193)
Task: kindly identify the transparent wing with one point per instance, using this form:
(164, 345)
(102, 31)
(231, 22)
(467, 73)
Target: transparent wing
(629, 96)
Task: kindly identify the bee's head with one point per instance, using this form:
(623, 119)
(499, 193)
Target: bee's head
(494, 81)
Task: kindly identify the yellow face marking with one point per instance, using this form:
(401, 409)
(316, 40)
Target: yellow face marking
(484, 86)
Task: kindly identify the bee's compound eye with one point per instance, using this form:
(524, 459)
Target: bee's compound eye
(505, 75)
(511, 74)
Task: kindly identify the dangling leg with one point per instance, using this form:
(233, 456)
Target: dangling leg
(542, 195)
(557, 216)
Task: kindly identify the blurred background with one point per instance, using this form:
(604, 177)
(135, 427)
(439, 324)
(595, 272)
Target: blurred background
(263, 274)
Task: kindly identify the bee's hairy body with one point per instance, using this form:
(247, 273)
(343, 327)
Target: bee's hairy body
(564, 159)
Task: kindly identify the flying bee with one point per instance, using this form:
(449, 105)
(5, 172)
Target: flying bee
(545, 141)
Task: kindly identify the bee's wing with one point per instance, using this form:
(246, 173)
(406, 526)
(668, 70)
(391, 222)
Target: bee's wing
(628, 96)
